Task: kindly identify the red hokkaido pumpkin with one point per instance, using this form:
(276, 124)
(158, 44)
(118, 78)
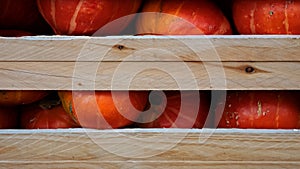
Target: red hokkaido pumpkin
(259, 109)
(182, 17)
(185, 109)
(22, 15)
(104, 109)
(267, 16)
(14, 33)
(19, 97)
(46, 114)
(85, 17)
(8, 118)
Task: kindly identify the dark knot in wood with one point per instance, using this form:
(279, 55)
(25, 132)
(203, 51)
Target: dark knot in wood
(249, 69)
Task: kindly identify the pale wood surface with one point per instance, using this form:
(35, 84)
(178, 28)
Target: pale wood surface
(150, 62)
(205, 63)
(149, 75)
(154, 148)
(151, 48)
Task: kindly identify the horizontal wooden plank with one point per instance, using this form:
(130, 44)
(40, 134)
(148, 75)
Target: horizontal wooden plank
(149, 75)
(153, 148)
(149, 165)
(152, 48)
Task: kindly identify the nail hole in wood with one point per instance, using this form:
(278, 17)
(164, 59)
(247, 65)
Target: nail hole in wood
(249, 69)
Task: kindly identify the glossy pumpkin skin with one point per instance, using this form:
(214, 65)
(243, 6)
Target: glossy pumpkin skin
(101, 109)
(46, 116)
(85, 17)
(20, 97)
(9, 118)
(182, 17)
(22, 15)
(177, 110)
(260, 109)
(14, 33)
(267, 16)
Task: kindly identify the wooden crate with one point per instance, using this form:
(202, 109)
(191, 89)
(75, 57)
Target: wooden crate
(150, 63)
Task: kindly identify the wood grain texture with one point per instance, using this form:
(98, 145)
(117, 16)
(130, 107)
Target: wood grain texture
(154, 148)
(149, 165)
(149, 63)
(149, 75)
(151, 48)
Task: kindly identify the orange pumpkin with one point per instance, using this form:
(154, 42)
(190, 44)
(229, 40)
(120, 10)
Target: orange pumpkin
(259, 109)
(85, 17)
(267, 16)
(182, 17)
(22, 15)
(14, 33)
(104, 109)
(185, 109)
(19, 97)
(8, 118)
(47, 113)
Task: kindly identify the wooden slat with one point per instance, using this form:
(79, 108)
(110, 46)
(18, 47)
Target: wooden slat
(151, 48)
(150, 165)
(153, 148)
(149, 75)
